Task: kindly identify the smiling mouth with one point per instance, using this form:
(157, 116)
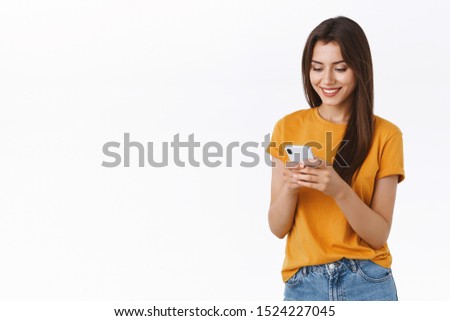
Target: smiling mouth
(330, 92)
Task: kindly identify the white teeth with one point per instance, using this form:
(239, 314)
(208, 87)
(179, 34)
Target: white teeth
(330, 91)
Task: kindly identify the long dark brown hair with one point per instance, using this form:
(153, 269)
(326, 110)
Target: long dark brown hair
(356, 53)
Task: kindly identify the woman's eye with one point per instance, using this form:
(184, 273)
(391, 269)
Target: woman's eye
(317, 69)
(341, 69)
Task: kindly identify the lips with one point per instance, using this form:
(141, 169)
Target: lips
(330, 92)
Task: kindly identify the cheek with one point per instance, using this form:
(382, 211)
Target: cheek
(351, 84)
(349, 80)
(314, 78)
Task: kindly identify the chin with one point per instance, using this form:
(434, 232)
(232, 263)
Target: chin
(331, 102)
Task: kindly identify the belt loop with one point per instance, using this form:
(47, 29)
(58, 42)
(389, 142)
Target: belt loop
(353, 265)
(304, 270)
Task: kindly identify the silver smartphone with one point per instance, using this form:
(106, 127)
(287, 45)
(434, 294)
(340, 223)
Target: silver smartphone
(301, 154)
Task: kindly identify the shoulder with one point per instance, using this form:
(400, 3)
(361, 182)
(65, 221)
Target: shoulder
(385, 129)
(295, 117)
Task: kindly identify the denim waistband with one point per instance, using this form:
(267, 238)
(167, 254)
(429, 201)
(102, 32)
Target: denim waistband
(332, 267)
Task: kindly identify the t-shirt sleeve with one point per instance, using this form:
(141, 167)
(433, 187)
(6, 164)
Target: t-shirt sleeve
(391, 161)
(276, 146)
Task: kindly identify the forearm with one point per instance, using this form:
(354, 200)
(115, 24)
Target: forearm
(367, 223)
(282, 212)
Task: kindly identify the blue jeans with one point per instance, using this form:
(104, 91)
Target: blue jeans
(343, 280)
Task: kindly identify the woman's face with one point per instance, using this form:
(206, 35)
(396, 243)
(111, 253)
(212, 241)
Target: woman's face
(330, 76)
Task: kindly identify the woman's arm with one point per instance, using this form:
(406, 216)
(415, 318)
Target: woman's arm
(372, 223)
(283, 200)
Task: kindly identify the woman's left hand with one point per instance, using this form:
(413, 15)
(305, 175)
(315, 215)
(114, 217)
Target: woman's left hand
(322, 178)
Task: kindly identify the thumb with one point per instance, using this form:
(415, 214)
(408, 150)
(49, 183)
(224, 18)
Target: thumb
(316, 162)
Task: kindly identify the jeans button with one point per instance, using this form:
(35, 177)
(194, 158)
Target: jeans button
(331, 266)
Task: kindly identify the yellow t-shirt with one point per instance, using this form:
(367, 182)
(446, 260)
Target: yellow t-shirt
(320, 232)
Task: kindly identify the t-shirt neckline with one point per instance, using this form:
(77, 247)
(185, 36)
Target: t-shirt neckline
(326, 122)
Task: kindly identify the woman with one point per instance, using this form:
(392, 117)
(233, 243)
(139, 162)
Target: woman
(338, 215)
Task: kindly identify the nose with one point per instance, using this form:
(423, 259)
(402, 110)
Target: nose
(328, 78)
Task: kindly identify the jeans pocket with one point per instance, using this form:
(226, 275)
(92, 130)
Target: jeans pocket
(373, 272)
(295, 279)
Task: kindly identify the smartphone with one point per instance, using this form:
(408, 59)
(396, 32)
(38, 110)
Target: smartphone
(301, 154)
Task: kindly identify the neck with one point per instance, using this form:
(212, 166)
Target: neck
(334, 114)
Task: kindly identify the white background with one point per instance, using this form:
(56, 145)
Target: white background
(77, 74)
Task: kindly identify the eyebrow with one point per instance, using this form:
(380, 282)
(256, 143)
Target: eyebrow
(334, 63)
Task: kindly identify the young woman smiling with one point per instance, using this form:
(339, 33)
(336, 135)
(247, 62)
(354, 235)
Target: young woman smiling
(337, 216)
